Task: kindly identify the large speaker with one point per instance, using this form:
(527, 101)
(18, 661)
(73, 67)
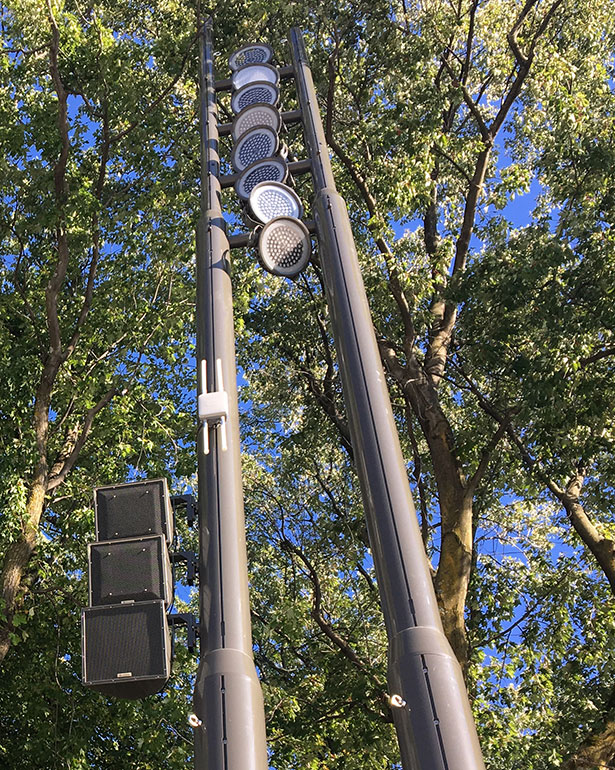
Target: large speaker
(126, 649)
(133, 510)
(137, 569)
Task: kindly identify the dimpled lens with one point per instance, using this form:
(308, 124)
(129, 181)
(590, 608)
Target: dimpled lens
(269, 200)
(256, 115)
(269, 170)
(254, 93)
(255, 73)
(260, 143)
(284, 246)
(254, 53)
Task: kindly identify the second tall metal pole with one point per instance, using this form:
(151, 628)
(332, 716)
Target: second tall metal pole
(430, 706)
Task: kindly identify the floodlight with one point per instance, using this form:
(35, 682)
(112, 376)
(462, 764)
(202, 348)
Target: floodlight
(254, 93)
(284, 246)
(255, 73)
(269, 200)
(259, 143)
(253, 53)
(267, 170)
(256, 115)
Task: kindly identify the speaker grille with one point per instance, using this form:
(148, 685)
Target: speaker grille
(138, 569)
(133, 510)
(126, 649)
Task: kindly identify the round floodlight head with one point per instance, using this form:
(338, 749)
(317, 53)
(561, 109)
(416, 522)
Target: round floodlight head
(253, 53)
(255, 73)
(254, 93)
(259, 143)
(284, 246)
(267, 170)
(269, 200)
(256, 115)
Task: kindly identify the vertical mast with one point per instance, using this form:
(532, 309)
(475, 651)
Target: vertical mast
(228, 701)
(430, 706)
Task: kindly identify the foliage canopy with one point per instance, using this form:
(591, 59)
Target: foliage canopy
(474, 143)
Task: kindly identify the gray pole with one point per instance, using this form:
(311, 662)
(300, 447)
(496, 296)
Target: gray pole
(227, 699)
(430, 706)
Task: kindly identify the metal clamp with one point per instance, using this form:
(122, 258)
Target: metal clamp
(213, 406)
(192, 563)
(192, 627)
(189, 502)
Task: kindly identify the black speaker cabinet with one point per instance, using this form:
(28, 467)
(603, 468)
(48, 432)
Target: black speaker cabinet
(133, 510)
(126, 649)
(137, 569)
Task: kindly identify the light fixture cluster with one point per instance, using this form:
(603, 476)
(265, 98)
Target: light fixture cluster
(259, 158)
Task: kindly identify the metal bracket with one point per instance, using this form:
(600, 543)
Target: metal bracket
(192, 563)
(189, 502)
(192, 627)
(213, 406)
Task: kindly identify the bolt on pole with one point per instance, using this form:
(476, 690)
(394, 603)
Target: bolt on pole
(228, 719)
(430, 707)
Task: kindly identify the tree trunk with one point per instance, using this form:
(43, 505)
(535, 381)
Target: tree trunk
(18, 556)
(596, 752)
(455, 498)
(453, 574)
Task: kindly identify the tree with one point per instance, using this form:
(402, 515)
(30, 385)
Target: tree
(96, 325)
(94, 277)
(497, 340)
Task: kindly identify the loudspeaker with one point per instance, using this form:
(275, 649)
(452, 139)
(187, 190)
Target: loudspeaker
(133, 510)
(126, 649)
(138, 569)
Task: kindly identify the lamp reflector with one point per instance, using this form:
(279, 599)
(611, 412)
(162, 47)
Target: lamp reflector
(268, 170)
(253, 53)
(259, 143)
(284, 246)
(254, 93)
(269, 200)
(256, 115)
(255, 73)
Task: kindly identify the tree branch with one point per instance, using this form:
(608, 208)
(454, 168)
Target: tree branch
(488, 450)
(75, 443)
(453, 162)
(418, 476)
(324, 626)
(163, 94)
(469, 102)
(605, 353)
(59, 175)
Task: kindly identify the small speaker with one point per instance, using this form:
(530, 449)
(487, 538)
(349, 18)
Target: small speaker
(138, 569)
(133, 510)
(126, 649)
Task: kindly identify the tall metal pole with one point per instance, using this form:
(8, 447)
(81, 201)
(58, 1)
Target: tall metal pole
(430, 706)
(227, 700)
